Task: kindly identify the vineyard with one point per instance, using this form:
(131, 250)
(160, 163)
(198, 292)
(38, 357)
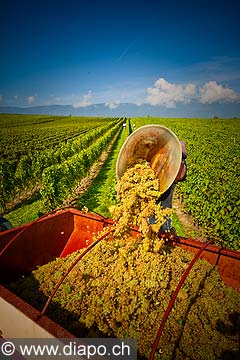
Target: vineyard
(47, 151)
(211, 192)
(121, 283)
(55, 153)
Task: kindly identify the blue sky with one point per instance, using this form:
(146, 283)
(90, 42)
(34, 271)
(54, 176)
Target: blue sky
(162, 53)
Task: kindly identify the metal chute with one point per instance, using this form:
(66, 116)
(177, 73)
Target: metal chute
(156, 144)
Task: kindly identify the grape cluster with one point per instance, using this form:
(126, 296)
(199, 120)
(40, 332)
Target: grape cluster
(122, 287)
(137, 195)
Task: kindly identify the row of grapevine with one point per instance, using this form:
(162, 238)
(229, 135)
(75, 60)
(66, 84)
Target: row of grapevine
(58, 180)
(19, 171)
(30, 167)
(101, 195)
(23, 134)
(210, 193)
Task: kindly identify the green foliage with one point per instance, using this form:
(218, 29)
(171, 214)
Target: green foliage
(122, 287)
(211, 193)
(178, 226)
(27, 213)
(29, 144)
(102, 192)
(58, 180)
(7, 181)
(35, 145)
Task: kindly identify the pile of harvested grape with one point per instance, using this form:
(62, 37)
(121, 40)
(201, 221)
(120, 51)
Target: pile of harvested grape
(122, 287)
(137, 196)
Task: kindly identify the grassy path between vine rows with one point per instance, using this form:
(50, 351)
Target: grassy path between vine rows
(30, 209)
(27, 212)
(101, 194)
(97, 193)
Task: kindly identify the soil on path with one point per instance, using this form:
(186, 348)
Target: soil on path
(86, 182)
(22, 199)
(80, 189)
(190, 228)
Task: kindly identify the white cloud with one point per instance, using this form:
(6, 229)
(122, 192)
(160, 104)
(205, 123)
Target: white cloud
(85, 100)
(31, 99)
(112, 104)
(168, 94)
(57, 99)
(213, 92)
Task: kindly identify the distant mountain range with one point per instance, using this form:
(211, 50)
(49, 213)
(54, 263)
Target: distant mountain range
(194, 109)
